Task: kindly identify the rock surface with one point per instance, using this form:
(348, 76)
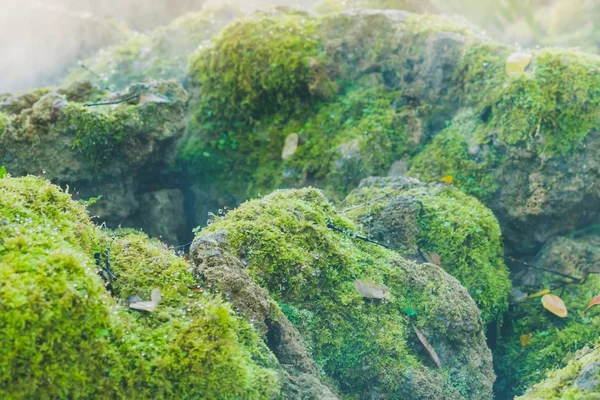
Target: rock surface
(436, 221)
(116, 151)
(366, 346)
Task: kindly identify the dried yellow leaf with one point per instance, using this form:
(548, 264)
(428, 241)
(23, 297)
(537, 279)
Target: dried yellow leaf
(538, 294)
(517, 62)
(525, 339)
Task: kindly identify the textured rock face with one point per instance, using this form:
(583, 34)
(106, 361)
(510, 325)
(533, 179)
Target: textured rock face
(161, 215)
(367, 347)
(437, 223)
(554, 340)
(111, 150)
(220, 270)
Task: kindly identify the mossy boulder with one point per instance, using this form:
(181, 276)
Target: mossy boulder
(422, 221)
(397, 85)
(160, 54)
(118, 151)
(578, 380)
(368, 347)
(65, 335)
(554, 340)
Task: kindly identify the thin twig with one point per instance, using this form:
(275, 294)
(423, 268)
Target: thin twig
(545, 269)
(365, 203)
(330, 225)
(82, 65)
(108, 103)
(589, 352)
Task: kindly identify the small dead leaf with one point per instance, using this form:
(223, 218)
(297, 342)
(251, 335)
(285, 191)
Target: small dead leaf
(428, 347)
(517, 63)
(147, 305)
(555, 305)
(525, 339)
(538, 294)
(595, 301)
(372, 290)
(433, 258)
(447, 179)
(290, 146)
(195, 288)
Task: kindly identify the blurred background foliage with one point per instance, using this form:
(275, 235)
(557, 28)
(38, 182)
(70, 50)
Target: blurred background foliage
(525, 23)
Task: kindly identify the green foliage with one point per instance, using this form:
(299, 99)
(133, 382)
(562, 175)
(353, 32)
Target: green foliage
(3, 172)
(306, 267)
(65, 336)
(554, 340)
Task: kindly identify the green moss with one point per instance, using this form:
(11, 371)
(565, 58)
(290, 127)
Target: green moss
(577, 381)
(310, 268)
(65, 336)
(257, 67)
(96, 134)
(556, 107)
(462, 151)
(461, 230)
(340, 142)
(554, 340)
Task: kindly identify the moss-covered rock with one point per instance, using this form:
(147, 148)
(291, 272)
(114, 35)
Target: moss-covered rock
(109, 150)
(554, 340)
(578, 380)
(523, 144)
(160, 54)
(419, 219)
(65, 336)
(366, 346)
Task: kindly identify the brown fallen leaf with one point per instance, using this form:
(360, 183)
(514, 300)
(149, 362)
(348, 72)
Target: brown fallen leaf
(595, 301)
(428, 347)
(538, 294)
(555, 305)
(525, 339)
(433, 258)
(372, 290)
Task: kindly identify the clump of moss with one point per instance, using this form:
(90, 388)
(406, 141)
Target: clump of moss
(64, 335)
(463, 152)
(578, 380)
(367, 346)
(444, 221)
(555, 107)
(160, 54)
(554, 340)
(257, 67)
